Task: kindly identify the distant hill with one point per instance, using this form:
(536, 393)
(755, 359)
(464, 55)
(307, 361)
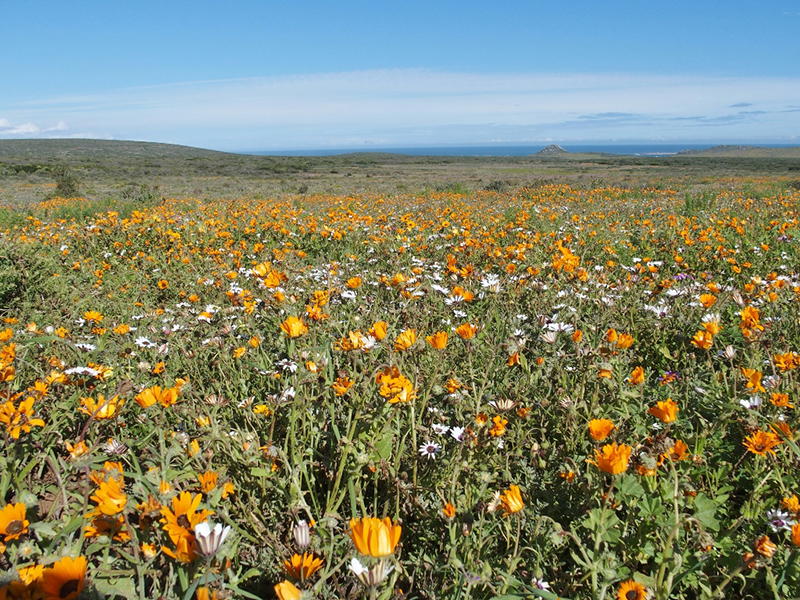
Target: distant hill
(48, 150)
(551, 150)
(733, 151)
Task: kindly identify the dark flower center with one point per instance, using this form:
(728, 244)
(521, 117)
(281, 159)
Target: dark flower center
(632, 595)
(70, 587)
(183, 521)
(14, 527)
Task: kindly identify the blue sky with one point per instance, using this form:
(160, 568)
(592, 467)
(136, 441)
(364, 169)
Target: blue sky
(263, 75)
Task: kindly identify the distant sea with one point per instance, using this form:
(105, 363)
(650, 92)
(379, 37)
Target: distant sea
(635, 149)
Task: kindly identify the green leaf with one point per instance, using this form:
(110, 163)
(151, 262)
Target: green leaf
(704, 510)
(124, 588)
(260, 472)
(630, 486)
(43, 530)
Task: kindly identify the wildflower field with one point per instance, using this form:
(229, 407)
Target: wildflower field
(548, 392)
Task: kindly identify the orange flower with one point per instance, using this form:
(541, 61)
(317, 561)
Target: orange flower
(708, 300)
(762, 442)
(599, 429)
(613, 459)
(631, 590)
(577, 336)
(781, 400)
(679, 451)
(624, 341)
(294, 327)
(499, 427)
(149, 396)
(181, 520)
(703, 339)
(438, 340)
(64, 580)
(395, 387)
(753, 380)
(208, 481)
(611, 336)
(666, 411)
(637, 376)
(13, 522)
(93, 316)
(796, 534)
(342, 385)
(19, 418)
(449, 510)
(302, 567)
(467, 330)
(374, 537)
(765, 546)
(110, 498)
(353, 283)
(513, 359)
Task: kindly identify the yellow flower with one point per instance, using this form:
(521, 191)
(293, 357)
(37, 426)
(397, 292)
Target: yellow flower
(286, 590)
(294, 327)
(374, 537)
(438, 340)
(353, 283)
(666, 411)
(65, 579)
(613, 459)
(511, 500)
(405, 340)
(378, 330)
(599, 429)
(13, 522)
(101, 408)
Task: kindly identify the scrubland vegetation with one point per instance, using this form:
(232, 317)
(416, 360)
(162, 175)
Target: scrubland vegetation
(545, 391)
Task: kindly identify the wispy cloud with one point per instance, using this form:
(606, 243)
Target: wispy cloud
(408, 107)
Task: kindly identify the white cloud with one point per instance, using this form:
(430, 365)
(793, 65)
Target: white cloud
(414, 107)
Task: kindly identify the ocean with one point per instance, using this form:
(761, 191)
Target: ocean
(629, 149)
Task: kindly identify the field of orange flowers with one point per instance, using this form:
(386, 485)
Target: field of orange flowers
(551, 392)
